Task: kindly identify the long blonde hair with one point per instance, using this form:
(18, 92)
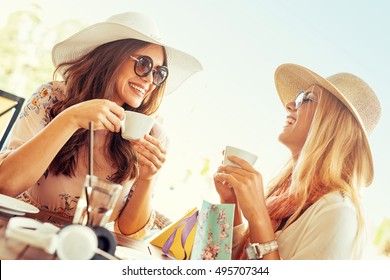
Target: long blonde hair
(335, 157)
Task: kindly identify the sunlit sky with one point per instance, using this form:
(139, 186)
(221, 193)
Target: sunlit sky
(240, 44)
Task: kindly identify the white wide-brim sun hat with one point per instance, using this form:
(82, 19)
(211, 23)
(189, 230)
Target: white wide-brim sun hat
(127, 25)
(351, 90)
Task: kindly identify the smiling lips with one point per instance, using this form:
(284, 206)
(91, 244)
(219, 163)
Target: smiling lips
(139, 89)
(290, 120)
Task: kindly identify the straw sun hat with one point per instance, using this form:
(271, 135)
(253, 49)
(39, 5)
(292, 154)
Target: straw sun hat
(352, 91)
(127, 25)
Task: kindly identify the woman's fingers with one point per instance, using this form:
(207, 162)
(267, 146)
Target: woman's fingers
(117, 110)
(114, 123)
(232, 169)
(151, 148)
(147, 157)
(111, 115)
(242, 163)
(145, 162)
(239, 178)
(234, 180)
(154, 144)
(105, 114)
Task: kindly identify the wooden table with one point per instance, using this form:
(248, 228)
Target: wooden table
(11, 249)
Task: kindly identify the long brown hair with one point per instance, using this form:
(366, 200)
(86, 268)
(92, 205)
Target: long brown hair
(93, 76)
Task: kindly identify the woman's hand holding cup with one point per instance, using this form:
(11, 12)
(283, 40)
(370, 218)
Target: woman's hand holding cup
(104, 114)
(224, 189)
(151, 156)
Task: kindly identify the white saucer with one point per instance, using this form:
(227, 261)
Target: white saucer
(12, 212)
(11, 203)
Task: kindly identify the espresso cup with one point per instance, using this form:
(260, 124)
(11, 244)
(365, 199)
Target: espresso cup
(135, 125)
(242, 154)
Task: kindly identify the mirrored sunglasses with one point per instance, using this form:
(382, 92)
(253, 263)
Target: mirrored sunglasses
(303, 97)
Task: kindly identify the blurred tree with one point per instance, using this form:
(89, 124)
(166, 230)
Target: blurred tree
(382, 239)
(25, 50)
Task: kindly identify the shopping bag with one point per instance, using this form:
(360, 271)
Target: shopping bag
(214, 232)
(177, 239)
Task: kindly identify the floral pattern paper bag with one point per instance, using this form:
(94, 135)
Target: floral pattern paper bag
(214, 232)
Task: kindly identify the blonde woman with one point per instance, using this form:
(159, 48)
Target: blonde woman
(312, 210)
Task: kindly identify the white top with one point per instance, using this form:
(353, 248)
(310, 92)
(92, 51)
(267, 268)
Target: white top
(325, 231)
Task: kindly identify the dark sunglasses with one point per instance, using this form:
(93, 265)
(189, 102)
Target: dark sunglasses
(303, 97)
(144, 65)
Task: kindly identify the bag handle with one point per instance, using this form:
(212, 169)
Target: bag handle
(189, 224)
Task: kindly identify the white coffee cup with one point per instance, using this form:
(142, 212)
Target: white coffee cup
(233, 151)
(135, 125)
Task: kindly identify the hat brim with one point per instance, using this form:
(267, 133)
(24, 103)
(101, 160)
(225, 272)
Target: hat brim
(292, 78)
(181, 65)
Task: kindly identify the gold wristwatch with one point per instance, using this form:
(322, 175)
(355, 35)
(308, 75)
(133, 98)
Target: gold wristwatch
(256, 251)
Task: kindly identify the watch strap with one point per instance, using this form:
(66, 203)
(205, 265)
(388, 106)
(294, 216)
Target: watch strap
(256, 251)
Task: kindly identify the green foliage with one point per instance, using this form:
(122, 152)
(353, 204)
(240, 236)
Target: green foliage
(25, 51)
(206, 167)
(382, 238)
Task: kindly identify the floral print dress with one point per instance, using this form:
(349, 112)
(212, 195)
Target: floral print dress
(58, 193)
